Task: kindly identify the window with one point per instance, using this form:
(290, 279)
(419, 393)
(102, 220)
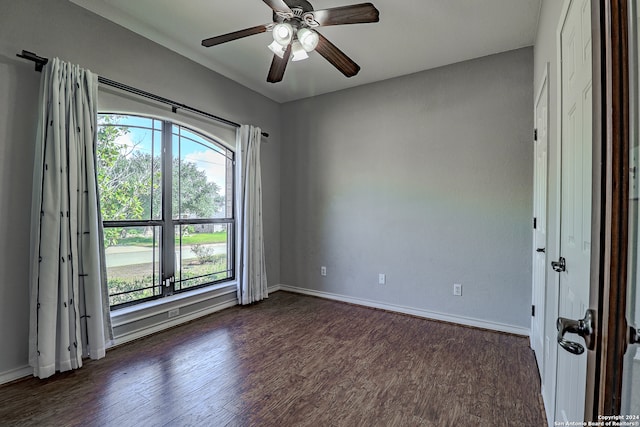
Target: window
(166, 197)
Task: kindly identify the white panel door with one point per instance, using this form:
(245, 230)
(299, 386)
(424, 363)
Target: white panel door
(575, 233)
(540, 222)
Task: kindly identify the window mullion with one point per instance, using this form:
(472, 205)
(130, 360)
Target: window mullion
(168, 231)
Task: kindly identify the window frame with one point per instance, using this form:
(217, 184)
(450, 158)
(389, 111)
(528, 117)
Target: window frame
(166, 280)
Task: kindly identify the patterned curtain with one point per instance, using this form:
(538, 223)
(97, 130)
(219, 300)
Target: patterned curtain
(69, 310)
(252, 273)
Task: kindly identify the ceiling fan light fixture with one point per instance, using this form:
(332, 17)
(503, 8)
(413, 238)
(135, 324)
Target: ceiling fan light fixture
(293, 29)
(277, 48)
(298, 52)
(308, 39)
(283, 33)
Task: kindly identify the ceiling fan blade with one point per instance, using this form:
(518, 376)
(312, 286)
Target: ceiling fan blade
(278, 5)
(213, 41)
(278, 65)
(336, 57)
(354, 14)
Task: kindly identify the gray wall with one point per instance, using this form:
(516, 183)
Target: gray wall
(426, 178)
(59, 28)
(546, 52)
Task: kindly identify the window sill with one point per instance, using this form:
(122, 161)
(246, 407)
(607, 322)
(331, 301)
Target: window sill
(147, 309)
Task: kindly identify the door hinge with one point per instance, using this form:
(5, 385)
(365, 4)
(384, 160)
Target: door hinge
(533, 311)
(535, 134)
(535, 223)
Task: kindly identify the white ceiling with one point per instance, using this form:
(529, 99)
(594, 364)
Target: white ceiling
(412, 35)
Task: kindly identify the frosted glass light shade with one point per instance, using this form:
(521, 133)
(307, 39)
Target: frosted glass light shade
(277, 48)
(308, 39)
(283, 33)
(298, 51)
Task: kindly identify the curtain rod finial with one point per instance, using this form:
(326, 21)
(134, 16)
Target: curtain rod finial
(39, 61)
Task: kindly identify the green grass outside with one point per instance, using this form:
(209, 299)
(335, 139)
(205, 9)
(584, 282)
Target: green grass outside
(191, 239)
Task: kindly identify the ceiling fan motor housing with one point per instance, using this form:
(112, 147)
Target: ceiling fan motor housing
(299, 4)
(299, 8)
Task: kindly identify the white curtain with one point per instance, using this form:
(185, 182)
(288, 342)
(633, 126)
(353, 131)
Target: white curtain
(69, 310)
(252, 273)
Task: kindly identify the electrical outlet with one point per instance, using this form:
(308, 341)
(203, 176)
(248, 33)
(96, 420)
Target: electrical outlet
(457, 289)
(382, 279)
(173, 313)
(323, 271)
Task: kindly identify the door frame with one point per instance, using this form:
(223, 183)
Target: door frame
(610, 206)
(540, 311)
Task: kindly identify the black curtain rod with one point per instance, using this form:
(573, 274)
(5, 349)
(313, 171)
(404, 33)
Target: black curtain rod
(41, 62)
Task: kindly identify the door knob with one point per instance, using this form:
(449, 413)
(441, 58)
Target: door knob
(540, 250)
(583, 327)
(560, 265)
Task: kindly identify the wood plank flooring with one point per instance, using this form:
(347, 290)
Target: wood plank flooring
(294, 360)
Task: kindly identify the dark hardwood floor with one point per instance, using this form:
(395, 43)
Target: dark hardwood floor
(294, 360)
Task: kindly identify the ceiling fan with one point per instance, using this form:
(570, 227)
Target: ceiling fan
(294, 33)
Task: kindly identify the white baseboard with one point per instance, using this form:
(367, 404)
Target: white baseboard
(15, 374)
(427, 314)
(274, 288)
